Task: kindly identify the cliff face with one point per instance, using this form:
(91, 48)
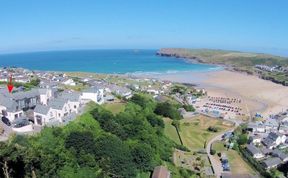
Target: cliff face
(178, 53)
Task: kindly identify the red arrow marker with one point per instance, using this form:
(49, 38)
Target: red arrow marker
(10, 85)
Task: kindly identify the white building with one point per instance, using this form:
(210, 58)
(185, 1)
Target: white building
(93, 94)
(69, 82)
(45, 96)
(43, 115)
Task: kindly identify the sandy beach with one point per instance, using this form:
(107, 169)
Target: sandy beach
(258, 95)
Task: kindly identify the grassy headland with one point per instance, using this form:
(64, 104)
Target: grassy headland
(224, 57)
(233, 60)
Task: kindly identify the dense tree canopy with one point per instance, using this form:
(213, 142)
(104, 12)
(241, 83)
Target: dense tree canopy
(97, 144)
(167, 109)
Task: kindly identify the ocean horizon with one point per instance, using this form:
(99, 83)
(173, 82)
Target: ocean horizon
(103, 61)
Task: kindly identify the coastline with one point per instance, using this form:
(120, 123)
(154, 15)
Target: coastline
(258, 95)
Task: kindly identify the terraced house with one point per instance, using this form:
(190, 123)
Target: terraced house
(12, 106)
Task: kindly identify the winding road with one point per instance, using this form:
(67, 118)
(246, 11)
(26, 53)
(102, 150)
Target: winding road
(216, 165)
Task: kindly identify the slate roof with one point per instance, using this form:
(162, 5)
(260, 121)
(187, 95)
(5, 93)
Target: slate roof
(57, 103)
(10, 100)
(280, 154)
(273, 136)
(271, 162)
(253, 149)
(94, 89)
(26, 94)
(41, 109)
(268, 142)
(71, 96)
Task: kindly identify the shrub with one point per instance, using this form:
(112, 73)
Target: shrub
(212, 152)
(212, 129)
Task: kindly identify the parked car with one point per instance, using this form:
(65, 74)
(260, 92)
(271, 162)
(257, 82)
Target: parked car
(6, 121)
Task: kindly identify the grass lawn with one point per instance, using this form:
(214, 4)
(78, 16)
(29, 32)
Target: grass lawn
(237, 164)
(170, 130)
(115, 107)
(194, 132)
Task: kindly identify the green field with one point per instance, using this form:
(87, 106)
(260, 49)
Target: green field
(115, 107)
(237, 164)
(194, 132)
(170, 130)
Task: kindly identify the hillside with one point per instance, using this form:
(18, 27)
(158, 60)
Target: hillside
(224, 57)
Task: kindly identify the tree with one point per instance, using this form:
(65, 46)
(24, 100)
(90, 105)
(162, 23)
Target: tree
(176, 124)
(114, 157)
(35, 82)
(243, 139)
(189, 108)
(80, 141)
(144, 101)
(178, 89)
(143, 156)
(212, 152)
(155, 121)
(275, 173)
(166, 109)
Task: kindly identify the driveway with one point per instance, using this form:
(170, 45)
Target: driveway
(217, 166)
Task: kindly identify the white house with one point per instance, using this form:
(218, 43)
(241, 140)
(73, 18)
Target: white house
(60, 108)
(93, 94)
(9, 108)
(45, 95)
(56, 110)
(73, 100)
(69, 82)
(152, 91)
(43, 114)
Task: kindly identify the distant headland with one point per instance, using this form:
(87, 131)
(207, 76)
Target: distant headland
(266, 66)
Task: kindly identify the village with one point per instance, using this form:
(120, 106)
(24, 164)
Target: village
(268, 143)
(45, 99)
(57, 98)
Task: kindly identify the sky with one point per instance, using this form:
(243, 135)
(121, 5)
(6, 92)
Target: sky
(249, 25)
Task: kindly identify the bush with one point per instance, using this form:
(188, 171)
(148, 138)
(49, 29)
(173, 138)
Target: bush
(182, 148)
(167, 109)
(212, 129)
(243, 139)
(189, 108)
(212, 152)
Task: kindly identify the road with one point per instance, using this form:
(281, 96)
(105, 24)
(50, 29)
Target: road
(217, 166)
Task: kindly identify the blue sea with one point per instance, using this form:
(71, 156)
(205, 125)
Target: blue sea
(102, 61)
